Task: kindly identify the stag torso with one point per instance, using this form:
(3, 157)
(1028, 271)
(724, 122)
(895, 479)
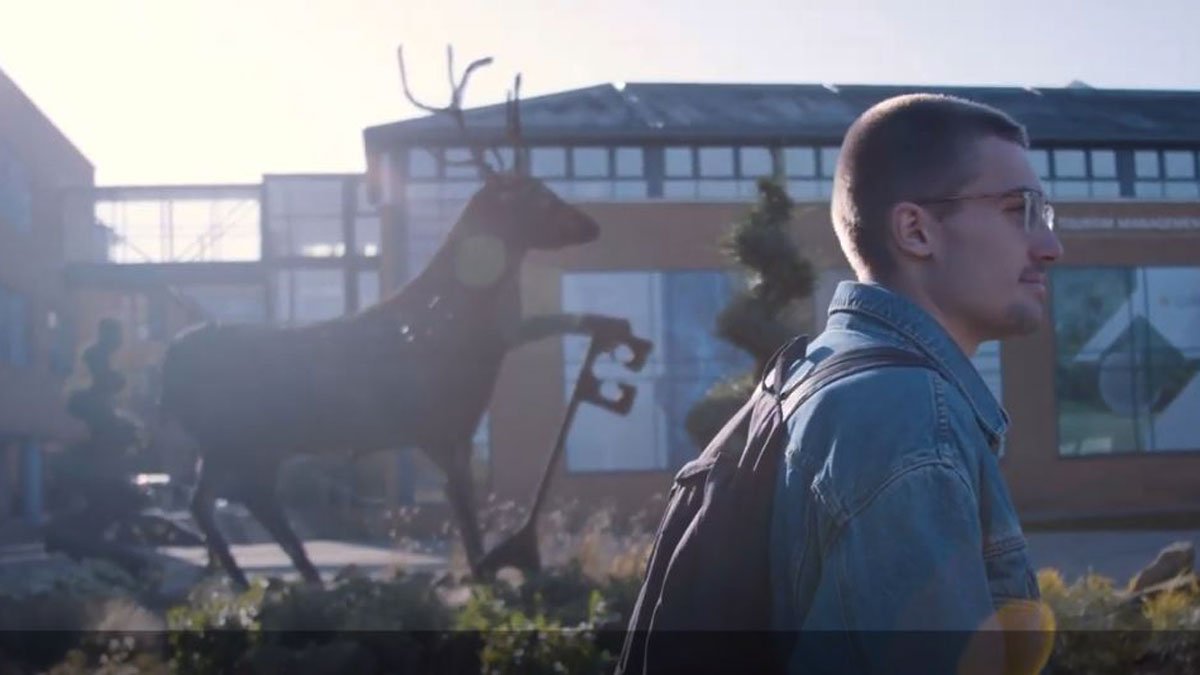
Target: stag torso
(417, 369)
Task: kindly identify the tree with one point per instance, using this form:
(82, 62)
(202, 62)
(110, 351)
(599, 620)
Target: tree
(760, 318)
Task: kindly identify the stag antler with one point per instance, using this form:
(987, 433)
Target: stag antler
(455, 109)
(512, 109)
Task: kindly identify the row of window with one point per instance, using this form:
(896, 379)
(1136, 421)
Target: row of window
(1099, 173)
(1128, 361)
(728, 172)
(303, 217)
(629, 163)
(677, 312)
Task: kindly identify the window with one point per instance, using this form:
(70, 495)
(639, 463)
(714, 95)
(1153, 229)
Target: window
(431, 210)
(829, 159)
(589, 162)
(1166, 174)
(716, 162)
(756, 162)
(460, 163)
(305, 216)
(800, 162)
(62, 350)
(1145, 163)
(308, 295)
(233, 303)
(423, 162)
(800, 167)
(1070, 164)
(1040, 159)
(1128, 359)
(987, 362)
(16, 196)
(630, 163)
(1078, 173)
(366, 235)
(678, 162)
(1104, 164)
(675, 310)
(14, 328)
(548, 162)
(368, 288)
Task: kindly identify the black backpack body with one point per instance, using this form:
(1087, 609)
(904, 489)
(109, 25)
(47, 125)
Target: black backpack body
(705, 602)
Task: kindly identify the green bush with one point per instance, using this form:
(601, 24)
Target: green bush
(547, 624)
(1102, 629)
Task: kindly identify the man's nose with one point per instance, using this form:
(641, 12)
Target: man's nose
(1047, 247)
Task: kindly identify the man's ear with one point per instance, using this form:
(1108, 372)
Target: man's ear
(910, 230)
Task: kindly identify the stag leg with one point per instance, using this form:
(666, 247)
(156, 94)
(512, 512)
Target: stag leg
(265, 507)
(203, 503)
(460, 491)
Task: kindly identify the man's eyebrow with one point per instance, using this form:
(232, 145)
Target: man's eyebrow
(1020, 189)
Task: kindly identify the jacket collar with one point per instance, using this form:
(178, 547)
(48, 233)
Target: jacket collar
(899, 315)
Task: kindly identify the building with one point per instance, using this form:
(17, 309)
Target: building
(290, 250)
(44, 217)
(1100, 400)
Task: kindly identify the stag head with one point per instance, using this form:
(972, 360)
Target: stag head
(512, 205)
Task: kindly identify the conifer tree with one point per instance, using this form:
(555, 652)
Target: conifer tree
(758, 319)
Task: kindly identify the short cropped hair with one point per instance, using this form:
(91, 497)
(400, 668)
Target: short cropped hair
(906, 148)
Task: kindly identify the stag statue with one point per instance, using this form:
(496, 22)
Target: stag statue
(415, 370)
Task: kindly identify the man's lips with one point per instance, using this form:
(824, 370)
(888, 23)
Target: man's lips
(1036, 282)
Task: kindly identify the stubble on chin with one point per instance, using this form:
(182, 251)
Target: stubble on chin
(1024, 319)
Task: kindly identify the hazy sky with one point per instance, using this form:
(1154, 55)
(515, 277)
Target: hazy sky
(170, 91)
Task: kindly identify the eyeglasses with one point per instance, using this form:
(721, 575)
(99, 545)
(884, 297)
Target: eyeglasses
(1039, 213)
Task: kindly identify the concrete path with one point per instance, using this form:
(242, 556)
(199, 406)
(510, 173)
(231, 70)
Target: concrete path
(1118, 555)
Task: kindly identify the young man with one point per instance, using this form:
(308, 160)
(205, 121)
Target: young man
(894, 543)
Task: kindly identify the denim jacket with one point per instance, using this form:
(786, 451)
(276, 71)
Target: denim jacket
(891, 513)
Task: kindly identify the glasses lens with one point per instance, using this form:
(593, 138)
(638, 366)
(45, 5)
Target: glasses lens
(1038, 213)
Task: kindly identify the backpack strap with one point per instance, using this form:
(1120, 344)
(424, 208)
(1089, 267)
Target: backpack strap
(846, 364)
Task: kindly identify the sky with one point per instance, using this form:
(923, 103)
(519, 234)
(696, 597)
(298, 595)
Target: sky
(224, 91)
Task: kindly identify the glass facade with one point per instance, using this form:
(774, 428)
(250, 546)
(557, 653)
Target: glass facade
(325, 236)
(675, 310)
(149, 228)
(1128, 359)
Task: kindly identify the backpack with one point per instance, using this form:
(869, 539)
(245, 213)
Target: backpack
(705, 603)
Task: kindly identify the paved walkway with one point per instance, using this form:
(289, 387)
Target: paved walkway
(1118, 555)
(328, 556)
(1114, 554)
